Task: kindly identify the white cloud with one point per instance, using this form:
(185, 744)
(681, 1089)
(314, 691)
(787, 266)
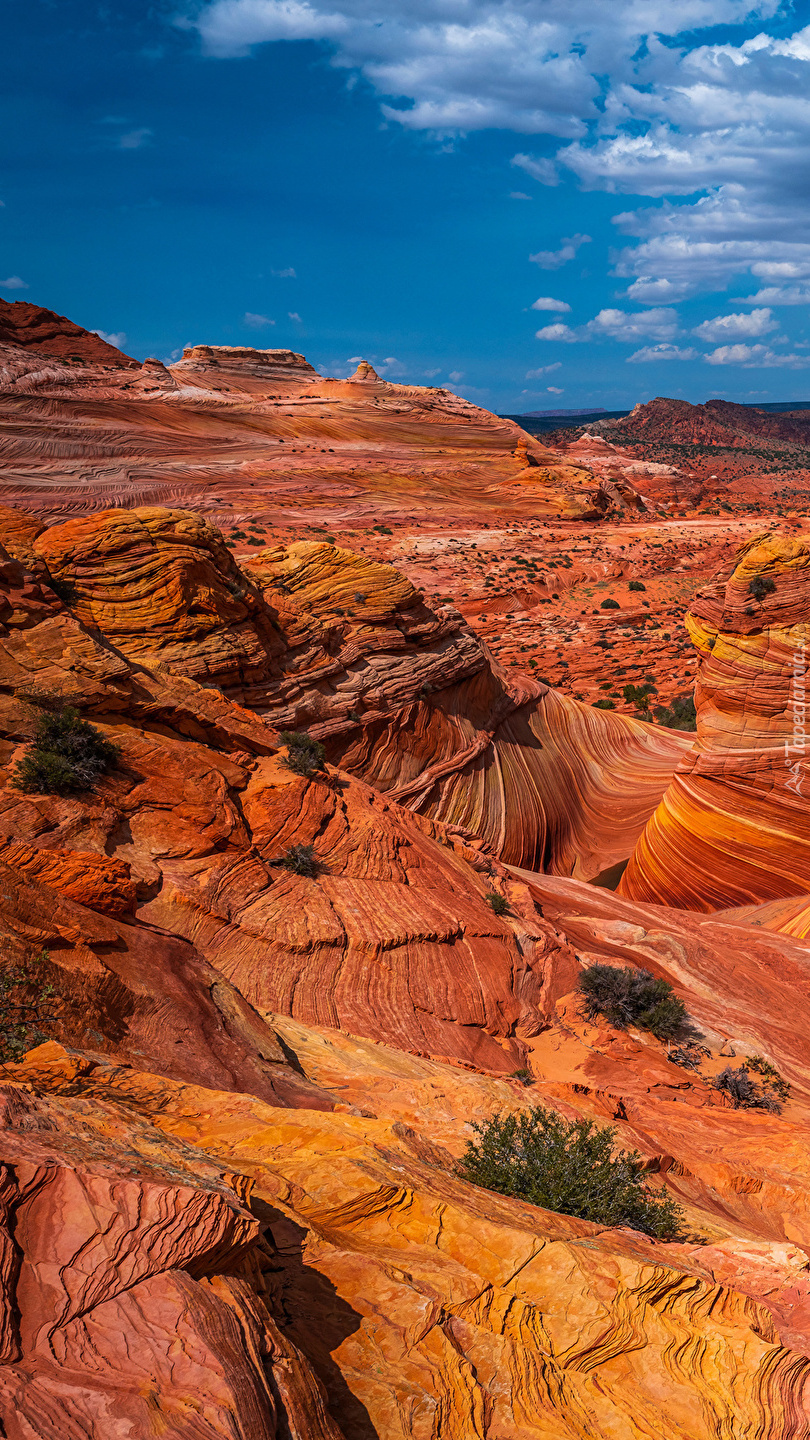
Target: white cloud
(354, 360)
(543, 370)
(13, 283)
(555, 390)
(777, 295)
(256, 322)
(657, 324)
(293, 315)
(456, 375)
(660, 352)
(116, 338)
(519, 195)
(726, 327)
(649, 291)
(754, 356)
(546, 302)
(539, 167)
(135, 139)
(554, 259)
(288, 274)
(557, 332)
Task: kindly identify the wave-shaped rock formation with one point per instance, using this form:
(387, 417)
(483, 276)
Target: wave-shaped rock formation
(733, 829)
(312, 636)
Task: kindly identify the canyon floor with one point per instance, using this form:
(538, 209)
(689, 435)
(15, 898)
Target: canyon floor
(231, 1202)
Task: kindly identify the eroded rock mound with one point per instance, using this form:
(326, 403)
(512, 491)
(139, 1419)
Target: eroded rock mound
(44, 332)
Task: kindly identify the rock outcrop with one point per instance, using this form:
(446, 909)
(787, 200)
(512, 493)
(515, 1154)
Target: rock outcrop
(45, 333)
(733, 829)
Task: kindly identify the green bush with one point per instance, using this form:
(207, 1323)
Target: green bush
(302, 860)
(570, 1166)
(770, 1075)
(610, 604)
(23, 1008)
(637, 585)
(680, 715)
(760, 586)
(498, 903)
(604, 704)
(305, 756)
(67, 755)
(633, 997)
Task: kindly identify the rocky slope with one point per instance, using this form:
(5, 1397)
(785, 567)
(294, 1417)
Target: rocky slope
(231, 1208)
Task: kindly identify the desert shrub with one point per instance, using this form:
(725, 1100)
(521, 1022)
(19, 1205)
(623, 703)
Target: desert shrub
(524, 1075)
(760, 586)
(301, 860)
(633, 997)
(610, 604)
(305, 756)
(637, 585)
(680, 715)
(769, 1074)
(498, 903)
(24, 994)
(639, 694)
(745, 1093)
(67, 754)
(570, 1166)
(604, 704)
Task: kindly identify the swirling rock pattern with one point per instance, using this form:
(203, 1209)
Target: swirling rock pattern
(734, 827)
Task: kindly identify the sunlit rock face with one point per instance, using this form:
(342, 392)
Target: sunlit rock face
(733, 829)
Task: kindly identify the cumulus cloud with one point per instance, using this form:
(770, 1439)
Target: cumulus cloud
(543, 370)
(288, 274)
(554, 259)
(256, 322)
(546, 302)
(657, 324)
(554, 390)
(456, 375)
(519, 195)
(777, 295)
(752, 357)
(557, 332)
(637, 105)
(116, 337)
(293, 315)
(13, 283)
(725, 327)
(660, 352)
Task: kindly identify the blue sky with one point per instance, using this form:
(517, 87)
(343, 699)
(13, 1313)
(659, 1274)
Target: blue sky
(535, 202)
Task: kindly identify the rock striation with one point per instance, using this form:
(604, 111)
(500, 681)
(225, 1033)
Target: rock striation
(733, 829)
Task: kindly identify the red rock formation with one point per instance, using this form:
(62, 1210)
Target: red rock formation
(46, 333)
(734, 828)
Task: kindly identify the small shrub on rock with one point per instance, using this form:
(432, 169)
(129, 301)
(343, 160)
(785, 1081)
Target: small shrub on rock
(67, 755)
(760, 586)
(633, 997)
(610, 604)
(497, 903)
(24, 994)
(747, 1094)
(570, 1166)
(680, 715)
(301, 860)
(305, 756)
(637, 585)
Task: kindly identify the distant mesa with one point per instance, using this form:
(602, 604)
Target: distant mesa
(228, 353)
(34, 328)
